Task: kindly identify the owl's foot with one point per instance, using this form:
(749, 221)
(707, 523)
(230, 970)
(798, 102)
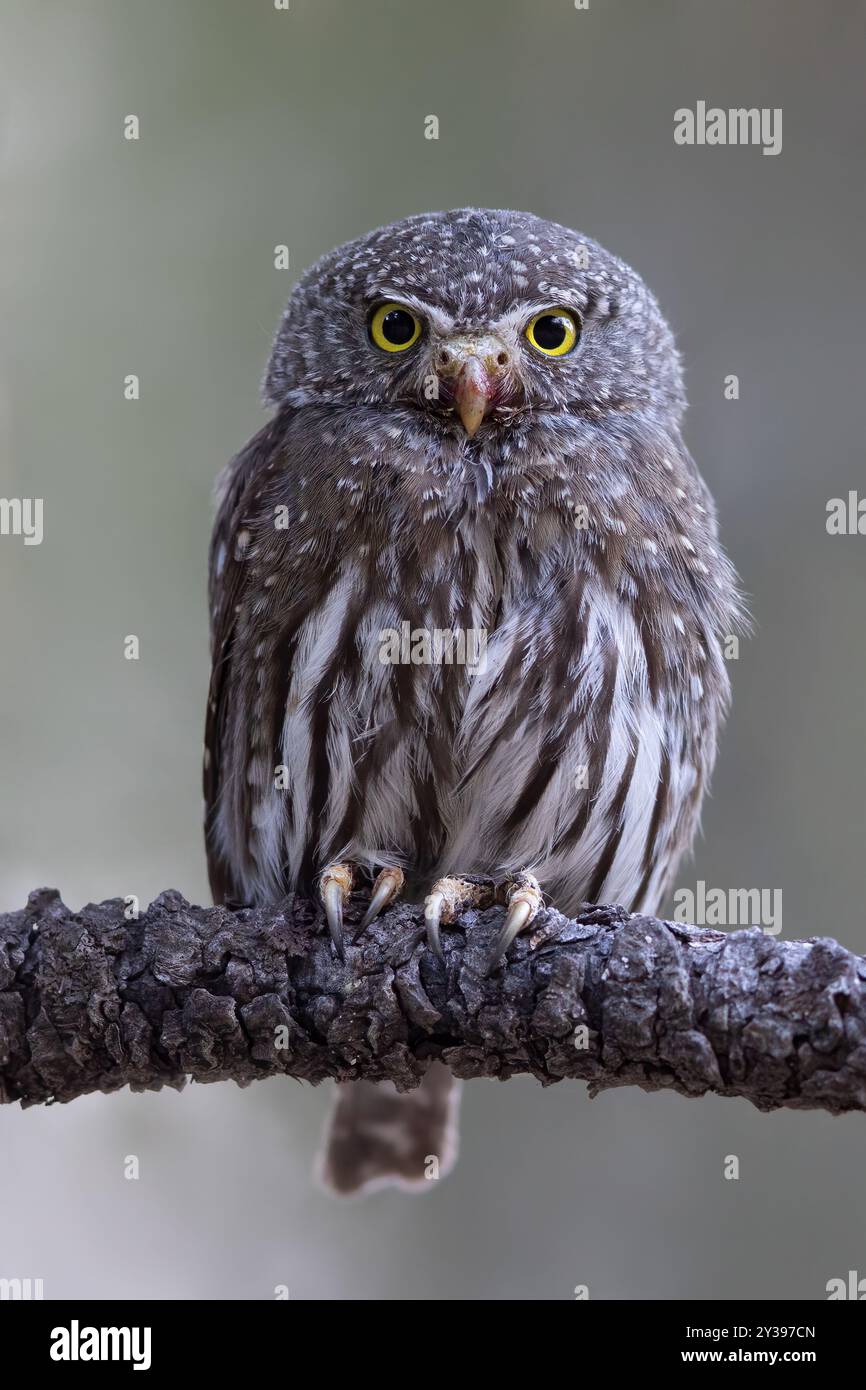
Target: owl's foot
(335, 885)
(387, 887)
(447, 899)
(524, 899)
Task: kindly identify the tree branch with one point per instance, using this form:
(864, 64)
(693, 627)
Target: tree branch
(90, 1001)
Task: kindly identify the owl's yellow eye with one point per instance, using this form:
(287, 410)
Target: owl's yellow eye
(553, 332)
(394, 328)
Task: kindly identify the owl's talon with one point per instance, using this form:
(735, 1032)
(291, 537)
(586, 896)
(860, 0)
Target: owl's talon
(524, 898)
(387, 887)
(335, 886)
(446, 900)
(434, 905)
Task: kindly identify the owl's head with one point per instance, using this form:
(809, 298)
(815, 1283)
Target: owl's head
(473, 320)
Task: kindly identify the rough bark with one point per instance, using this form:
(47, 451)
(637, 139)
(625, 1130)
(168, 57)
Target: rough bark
(90, 1001)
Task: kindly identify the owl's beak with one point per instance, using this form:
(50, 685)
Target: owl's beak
(473, 368)
(472, 394)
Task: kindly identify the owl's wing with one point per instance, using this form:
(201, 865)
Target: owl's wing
(225, 585)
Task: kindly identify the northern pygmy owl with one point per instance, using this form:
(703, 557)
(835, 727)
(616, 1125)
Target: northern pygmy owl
(476, 430)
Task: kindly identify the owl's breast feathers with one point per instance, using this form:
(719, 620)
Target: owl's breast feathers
(455, 659)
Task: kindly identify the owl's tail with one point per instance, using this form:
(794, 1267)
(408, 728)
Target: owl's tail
(379, 1138)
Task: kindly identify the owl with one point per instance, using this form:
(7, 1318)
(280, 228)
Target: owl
(468, 609)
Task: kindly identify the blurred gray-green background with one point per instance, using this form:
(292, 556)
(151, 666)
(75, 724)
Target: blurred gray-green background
(155, 257)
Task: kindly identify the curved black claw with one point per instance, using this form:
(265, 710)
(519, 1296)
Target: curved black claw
(388, 887)
(433, 905)
(524, 900)
(447, 899)
(335, 886)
